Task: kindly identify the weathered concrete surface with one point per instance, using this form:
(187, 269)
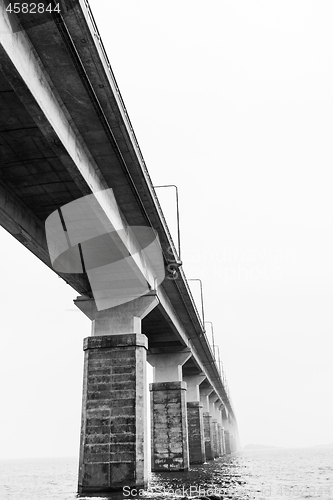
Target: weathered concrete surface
(227, 442)
(169, 436)
(167, 367)
(195, 418)
(215, 438)
(196, 440)
(113, 450)
(122, 319)
(219, 436)
(193, 386)
(232, 443)
(223, 441)
(208, 437)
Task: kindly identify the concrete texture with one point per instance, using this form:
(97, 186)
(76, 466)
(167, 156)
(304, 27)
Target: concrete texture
(193, 386)
(204, 397)
(219, 437)
(215, 438)
(169, 435)
(208, 437)
(196, 440)
(167, 367)
(223, 441)
(113, 450)
(122, 319)
(227, 442)
(195, 418)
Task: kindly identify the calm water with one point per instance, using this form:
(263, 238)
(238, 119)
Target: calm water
(274, 474)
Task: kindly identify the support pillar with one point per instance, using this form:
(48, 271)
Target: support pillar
(225, 421)
(227, 442)
(113, 447)
(169, 434)
(222, 430)
(223, 441)
(232, 443)
(196, 439)
(207, 419)
(212, 398)
(219, 428)
(234, 438)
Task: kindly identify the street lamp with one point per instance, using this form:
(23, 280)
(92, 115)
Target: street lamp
(177, 205)
(202, 303)
(213, 342)
(218, 350)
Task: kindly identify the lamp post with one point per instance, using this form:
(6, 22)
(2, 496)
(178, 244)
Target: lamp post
(202, 303)
(213, 342)
(218, 350)
(177, 205)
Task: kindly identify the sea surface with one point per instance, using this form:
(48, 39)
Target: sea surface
(274, 474)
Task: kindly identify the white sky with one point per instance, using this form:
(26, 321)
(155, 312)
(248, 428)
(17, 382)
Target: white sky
(232, 101)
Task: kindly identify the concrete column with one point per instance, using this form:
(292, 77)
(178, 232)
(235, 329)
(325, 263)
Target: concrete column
(222, 430)
(225, 421)
(232, 444)
(196, 440)
(223, 441)
(219, 428)
(113, 448)
(169, 434)
(208, 436)
(233, 434)
(212, 398)
(227, 442)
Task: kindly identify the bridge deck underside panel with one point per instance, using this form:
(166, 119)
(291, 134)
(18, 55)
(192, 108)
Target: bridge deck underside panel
(91, 115)
(28, 165)
(38, 175)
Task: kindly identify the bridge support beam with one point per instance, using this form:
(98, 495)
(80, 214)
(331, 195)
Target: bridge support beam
(219, 428)
(196, 438)
(232, 443)
(212, 399)
(222, 430)
(113, 448)
(223, 441)
(207, 419)
(227, 442)
(169, 434)
(226, 426)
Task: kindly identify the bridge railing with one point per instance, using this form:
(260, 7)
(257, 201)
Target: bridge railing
(135, 142)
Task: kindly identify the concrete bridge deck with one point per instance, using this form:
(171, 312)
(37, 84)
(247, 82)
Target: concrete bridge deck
(65, 134)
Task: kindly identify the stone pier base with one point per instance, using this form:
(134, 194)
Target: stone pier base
(223, 442)
(227, 442)
(169, 444)
(219, 438)
(113, 435)
(215, 438)
(209, 450)
(196, 439)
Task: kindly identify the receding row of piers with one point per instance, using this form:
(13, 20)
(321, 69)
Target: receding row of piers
(189, 422)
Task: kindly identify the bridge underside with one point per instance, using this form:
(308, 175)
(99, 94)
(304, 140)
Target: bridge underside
(38, 172)
(64, 134)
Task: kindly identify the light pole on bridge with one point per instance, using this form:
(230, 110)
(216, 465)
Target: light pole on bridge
(202, 302)
(212, 329)
(177, 208)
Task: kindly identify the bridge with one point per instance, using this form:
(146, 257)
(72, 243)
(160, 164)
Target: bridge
(66, 136)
